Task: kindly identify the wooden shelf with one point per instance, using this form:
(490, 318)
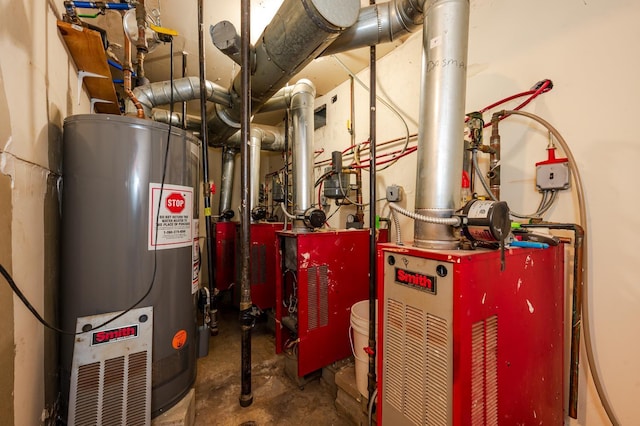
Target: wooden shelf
(88, 53)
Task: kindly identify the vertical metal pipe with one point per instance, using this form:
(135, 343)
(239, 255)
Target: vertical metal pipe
(246, 318)
(440, 134)
(184, 103)
(205, 165)
(255, 145)
(287, 119)
(494, 157)
(372, 220)
(226, 180)
(302, 100)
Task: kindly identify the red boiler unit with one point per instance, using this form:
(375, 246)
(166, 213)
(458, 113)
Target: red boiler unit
(464, 343)
(263, 264)
(320, 276)
(224, 237)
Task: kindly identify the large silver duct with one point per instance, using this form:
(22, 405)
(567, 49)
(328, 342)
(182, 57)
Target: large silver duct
(379, 23)
(226, 181)
(184, 89)
(299, 31)
(440, 133)
(302, 103)
(255, 143)
(264, 137)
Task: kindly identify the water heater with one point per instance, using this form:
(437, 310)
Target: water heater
(129, 225)
(466, 343)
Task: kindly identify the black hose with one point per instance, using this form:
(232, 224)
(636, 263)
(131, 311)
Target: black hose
(246, 317)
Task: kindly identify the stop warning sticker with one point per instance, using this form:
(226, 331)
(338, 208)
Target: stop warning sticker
(170, 216)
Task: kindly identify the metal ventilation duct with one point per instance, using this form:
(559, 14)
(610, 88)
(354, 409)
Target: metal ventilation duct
(379, 23)
(298, 33)
(440, 133)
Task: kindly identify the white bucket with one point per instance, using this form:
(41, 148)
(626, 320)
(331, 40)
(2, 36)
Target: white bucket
(360, 341)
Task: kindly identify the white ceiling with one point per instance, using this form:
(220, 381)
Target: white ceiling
(182, 15)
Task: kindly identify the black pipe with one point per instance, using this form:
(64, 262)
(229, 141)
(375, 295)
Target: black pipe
(372, 220)
(213, 325)
(184, 104)
(576, 308)
(246, 317)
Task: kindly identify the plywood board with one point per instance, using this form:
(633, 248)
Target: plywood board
(88, 53)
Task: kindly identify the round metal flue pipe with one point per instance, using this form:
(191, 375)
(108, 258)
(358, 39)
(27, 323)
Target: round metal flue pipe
(297, 34)
(226, 185)
(442, 106)
(379, 23)
(302, 103)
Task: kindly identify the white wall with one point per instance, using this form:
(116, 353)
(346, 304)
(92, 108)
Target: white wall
(39, 84)
(589, 49)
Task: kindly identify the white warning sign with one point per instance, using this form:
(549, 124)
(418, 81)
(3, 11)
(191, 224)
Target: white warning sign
(170, 216)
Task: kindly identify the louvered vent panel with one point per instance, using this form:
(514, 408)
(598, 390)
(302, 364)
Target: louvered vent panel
(437, 365)
(88, 394)
(113, 392)
(258, 264)
(324, 295)
(484, 372)
(414, 365)
(137, 389)
(312, 298)
(111, 371)
(393, 359)
(477, 374)
(491, 368)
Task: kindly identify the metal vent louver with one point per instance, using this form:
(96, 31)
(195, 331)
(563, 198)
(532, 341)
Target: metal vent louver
(258, 264)
(416, 376)
(484, 372)
(437, 370)
(318, 296)
(111, 371)
(393, 360)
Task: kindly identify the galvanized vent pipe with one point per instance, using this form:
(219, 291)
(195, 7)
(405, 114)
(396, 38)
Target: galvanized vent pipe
(302, 104)
(298, 33)
(379, 23)
(184, 89)
(226, 180)
(440, 134)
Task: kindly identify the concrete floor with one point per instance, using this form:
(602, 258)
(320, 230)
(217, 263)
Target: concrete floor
(277, 400)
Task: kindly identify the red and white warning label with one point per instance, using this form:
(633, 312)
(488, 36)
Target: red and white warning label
(170, 216)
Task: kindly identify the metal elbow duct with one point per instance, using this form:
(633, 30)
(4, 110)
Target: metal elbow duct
(440, 133)
(299, 31)
(271, 138)
(302, 103)
(184, 89)
(380, 23)
(226, 184)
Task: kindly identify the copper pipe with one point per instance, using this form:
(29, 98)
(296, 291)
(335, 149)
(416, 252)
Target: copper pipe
(127, 70)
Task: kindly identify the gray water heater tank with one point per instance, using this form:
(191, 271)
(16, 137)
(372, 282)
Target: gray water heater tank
(113, 169)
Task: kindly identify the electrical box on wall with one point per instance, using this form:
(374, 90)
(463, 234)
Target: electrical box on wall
(552, 173)
(394, 193)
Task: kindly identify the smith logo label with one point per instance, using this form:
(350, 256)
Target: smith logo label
(417, 280)
(114, 335)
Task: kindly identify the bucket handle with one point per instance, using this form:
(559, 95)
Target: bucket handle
(352, 349)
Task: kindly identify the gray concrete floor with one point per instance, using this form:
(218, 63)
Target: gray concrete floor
(277, 400)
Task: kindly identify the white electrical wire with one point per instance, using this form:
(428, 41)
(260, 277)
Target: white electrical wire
(385, 103)
(453, 221)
